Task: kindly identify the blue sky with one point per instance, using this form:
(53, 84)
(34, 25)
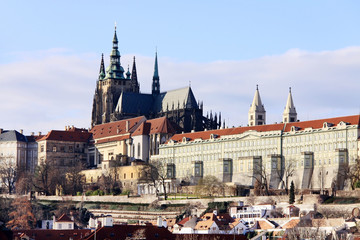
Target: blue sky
(50, 53)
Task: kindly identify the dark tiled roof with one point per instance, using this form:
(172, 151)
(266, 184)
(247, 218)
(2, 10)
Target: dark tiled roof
(135, 103)
(75, 234)
(123, 231)
(12, 135)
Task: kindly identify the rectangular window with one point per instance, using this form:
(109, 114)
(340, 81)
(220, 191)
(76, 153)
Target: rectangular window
(54, 149)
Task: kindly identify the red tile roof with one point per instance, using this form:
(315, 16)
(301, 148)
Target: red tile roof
(72, 135)
(116, 128)
(315, 124)
(228, 131)
(183, 221)
(157, 125)
(64, 218)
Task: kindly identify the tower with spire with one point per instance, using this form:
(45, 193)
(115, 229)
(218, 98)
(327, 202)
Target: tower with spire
(257, 113)
(109, 86)
(117, 96)
(156, 79)
(289, 114)
(135, 87)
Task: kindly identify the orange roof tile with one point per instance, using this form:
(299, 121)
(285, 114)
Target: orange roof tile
(291, 223)
(68, 136)
(316, 124)
(116, 128)
(157, 125)
(228, 131)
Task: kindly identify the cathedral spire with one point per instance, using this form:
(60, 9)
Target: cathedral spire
(289, 114)
(257, 111)
(134, 81)
(102, 68)
(115, 70)
(156, 78)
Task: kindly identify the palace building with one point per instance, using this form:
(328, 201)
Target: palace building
(314, 154)
(117, 96)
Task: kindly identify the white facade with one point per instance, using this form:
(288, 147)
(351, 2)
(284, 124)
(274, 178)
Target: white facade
(316, 150)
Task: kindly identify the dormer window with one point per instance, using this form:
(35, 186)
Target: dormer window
(294, 128)
(327, 125)
(213, 136)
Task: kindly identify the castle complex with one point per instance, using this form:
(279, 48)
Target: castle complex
(118, 97)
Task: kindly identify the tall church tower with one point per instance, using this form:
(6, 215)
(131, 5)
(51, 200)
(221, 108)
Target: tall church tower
(109, 86)
(289, 114)
(156, 79)
(257, 113)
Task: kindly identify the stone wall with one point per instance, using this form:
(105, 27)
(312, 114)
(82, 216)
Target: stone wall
(116, 199)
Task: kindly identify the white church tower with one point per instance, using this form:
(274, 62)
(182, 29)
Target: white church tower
(257, 113)
(289, 114)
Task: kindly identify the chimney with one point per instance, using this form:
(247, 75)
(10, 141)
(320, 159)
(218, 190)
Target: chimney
(39, 133)
(127, 126)
(65, 128)
(21, 131)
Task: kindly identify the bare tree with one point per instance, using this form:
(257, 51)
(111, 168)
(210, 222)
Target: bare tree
(155, 174)
(350, 173)
(8, 171)
(285, 173)
(46, 178)
(74, 178)
(262, 177)
(210, 186)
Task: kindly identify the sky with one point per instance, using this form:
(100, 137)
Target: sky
(50, 56)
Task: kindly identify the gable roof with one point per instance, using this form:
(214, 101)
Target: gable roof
(71, 135)
(153, 126)
(291, 223)
(64, 218)
(177, 98)
(12, 135)
(116, 128)
(263, 224)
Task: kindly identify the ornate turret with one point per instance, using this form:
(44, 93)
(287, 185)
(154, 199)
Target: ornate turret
(128, 74)
(257, 113)
(115, 70)
(156, 79)
(135, 87)
(289, 114)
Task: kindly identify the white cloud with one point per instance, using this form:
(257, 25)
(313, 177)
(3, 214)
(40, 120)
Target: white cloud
(50, 89)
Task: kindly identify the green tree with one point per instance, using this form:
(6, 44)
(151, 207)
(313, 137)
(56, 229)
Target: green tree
(292, 193)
